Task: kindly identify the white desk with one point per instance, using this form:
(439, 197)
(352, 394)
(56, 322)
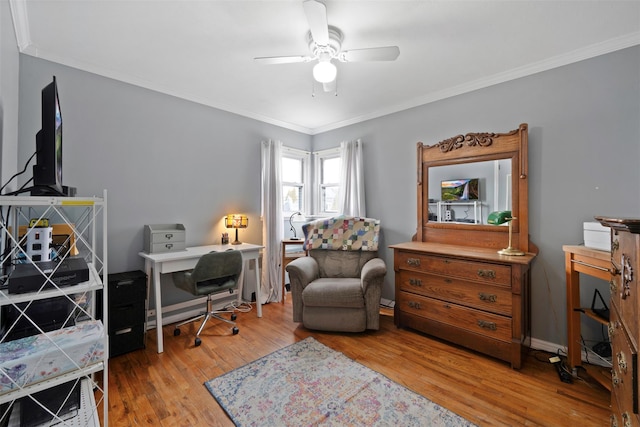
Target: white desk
(169, 262)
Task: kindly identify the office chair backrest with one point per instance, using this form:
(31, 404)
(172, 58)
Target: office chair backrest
(213, 270)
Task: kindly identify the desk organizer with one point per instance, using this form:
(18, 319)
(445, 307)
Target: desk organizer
(164, 238)
(40, 357)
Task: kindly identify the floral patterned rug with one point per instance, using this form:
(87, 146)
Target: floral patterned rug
(307, 383)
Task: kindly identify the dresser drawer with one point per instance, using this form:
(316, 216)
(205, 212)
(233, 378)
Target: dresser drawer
(478, 271)
(469, 319)
(482, 296)
(625, 366)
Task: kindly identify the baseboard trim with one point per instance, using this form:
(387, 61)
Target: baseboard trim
(591, 358)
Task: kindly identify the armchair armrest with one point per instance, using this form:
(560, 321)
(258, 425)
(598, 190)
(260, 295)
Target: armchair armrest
(302, 271)
(373, 272)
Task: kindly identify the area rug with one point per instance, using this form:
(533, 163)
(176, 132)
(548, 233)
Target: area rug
(308, 383)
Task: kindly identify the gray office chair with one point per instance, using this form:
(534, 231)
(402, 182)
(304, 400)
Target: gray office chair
(215, 272)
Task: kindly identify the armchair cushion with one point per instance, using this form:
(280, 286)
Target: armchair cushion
(334, 293)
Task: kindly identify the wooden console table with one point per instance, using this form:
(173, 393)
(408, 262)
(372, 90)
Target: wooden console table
(596, 263)
(288, 257)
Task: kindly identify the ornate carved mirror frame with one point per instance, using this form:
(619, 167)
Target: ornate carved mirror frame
(470, 148)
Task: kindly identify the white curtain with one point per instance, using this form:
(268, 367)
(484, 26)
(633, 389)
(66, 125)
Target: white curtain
(351, 192)
(272, 221)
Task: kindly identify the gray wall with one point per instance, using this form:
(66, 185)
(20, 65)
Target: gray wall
(8, 97)
(161, 159)
(584, 151)
(167, 160)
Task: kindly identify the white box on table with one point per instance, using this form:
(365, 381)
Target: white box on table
(164, 238)
(597, 236)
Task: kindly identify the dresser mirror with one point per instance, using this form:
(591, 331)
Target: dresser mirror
(470, 191)
(461, 180)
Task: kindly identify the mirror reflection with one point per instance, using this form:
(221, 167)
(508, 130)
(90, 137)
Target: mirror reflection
(466, 193)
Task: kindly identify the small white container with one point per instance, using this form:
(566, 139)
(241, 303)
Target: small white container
(597, 236)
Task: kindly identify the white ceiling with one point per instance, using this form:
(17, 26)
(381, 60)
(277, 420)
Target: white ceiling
(203, 50)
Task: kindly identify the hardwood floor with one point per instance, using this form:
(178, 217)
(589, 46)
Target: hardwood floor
(147, 388)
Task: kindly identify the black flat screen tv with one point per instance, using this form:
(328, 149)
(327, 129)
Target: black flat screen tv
(460, 189)
(47, 172)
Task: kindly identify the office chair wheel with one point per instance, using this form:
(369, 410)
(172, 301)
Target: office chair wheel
(235, 330)
(233, 316)
(198, 342)
(176, 332)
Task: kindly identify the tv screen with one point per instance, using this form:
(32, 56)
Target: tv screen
(47, 172)
(460, 189)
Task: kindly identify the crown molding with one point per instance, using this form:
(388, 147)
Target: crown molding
(21, 23)
(578, 55)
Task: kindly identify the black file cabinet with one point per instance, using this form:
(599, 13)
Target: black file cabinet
(127, 296)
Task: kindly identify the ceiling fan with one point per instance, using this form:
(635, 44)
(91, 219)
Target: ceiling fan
(325, 45)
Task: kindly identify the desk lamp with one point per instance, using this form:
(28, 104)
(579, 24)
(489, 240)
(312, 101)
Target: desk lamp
(295, 237)
(498, 218)
(236, 221)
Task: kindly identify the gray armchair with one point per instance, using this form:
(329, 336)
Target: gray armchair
(338, 286)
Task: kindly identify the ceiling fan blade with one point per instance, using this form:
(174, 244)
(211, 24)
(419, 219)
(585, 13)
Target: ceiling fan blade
(330, 87)
(387, 53)
(281, 59)
(317, 18)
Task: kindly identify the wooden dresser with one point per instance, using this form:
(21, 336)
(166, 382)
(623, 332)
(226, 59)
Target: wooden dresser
(471, 296)
(624, 331)
(451, 282)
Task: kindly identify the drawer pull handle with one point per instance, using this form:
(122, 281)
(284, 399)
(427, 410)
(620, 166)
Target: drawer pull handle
(615, 245)
(622, 362)
(123, 331)
(626, 419)
(614, 420)
(613, 288)
(414, 304)
(168, 245)
(612, 329)
(168, 236)
(487, 297)
(415, 282)
(413, 262)
(490, 274)
(615, 379)
(627, 277)
(487, 325)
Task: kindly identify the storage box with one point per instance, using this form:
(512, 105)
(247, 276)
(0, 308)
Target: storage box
(597, 236)
(164, 238)
(40, 357)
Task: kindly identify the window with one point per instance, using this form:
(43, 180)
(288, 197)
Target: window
(327, 181)
(295, 171)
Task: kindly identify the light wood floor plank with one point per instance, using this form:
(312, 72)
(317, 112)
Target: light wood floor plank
(146, 388)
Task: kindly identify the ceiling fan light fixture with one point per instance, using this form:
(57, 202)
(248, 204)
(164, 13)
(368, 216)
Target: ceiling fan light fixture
(324, 72)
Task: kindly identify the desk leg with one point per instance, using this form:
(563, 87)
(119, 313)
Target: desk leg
(258, 287)
(158, 298)
(574, 351)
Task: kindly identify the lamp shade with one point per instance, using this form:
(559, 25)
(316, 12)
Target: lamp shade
(236, 221)
(499, 217)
